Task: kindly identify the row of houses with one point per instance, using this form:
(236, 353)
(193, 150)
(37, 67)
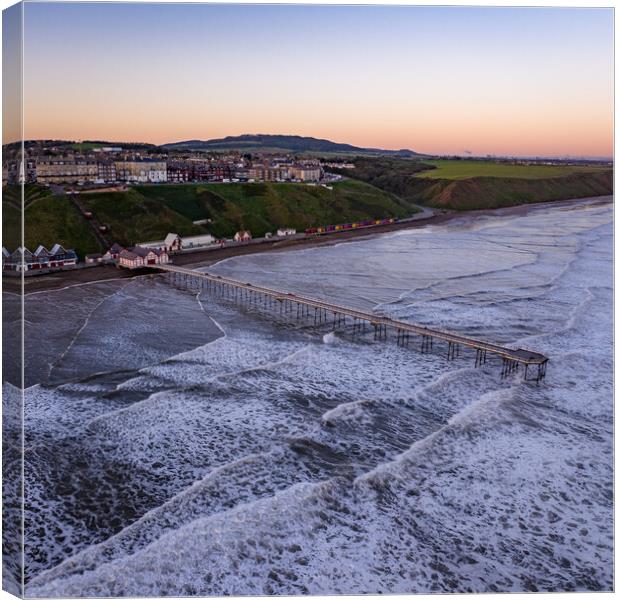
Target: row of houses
(174, 243)
(83, 170)
(59, 258)
(143, 254)
(102, 169)
(23, 259)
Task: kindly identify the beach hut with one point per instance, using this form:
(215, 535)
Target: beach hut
(243, 236)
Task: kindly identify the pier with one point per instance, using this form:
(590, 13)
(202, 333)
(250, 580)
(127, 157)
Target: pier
(321, 312)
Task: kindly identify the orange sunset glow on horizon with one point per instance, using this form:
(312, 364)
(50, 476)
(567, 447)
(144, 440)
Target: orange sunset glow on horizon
(434, 80)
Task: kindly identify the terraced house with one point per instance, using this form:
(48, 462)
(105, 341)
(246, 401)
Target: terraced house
(67, 170)
(143, 170)
(23, 260)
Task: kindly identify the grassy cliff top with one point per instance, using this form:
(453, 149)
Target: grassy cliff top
(474, 184)
(466, 169)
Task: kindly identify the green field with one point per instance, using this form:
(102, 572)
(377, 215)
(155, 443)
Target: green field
(472, 184)
(85, 146)
(48, 220)
(466, 169)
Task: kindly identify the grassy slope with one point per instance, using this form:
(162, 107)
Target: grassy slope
(150, 212)
(466, 169)
(262, 207)
(495, 192)
(134, 218)
(48, 220)
(470, 189)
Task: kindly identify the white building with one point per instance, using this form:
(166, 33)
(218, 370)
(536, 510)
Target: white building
(197, 241)
(172, 243)
(141, 171)
(286, 231)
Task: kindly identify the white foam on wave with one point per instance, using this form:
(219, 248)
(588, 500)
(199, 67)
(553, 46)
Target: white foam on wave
(380, 469)
(347, 411)
(330, 338)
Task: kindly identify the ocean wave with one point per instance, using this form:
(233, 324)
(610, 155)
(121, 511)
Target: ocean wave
(279, 459)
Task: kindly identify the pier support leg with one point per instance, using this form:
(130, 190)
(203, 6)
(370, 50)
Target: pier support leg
(478, 357)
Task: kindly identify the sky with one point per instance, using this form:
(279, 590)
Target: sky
(508, 81)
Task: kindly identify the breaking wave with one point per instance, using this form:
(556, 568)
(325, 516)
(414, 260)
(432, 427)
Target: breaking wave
(241, 454)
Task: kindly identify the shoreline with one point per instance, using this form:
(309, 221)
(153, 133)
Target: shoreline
(211, 257)
(63, 279)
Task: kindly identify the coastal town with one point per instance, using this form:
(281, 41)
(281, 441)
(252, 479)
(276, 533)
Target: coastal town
(79, 175)
(71, 170)
(71, 165)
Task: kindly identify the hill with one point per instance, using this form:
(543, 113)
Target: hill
(149, 212)
(48, 220)
(280, 143)
(145, 213)
(263, 207)
(133, 217)
(467, 185)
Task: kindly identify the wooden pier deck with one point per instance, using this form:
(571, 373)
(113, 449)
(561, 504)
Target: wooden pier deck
(512, 359)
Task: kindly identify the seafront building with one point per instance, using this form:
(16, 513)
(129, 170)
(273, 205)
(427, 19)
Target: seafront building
(41, 259)
(171, 243)
(136, 257)
(198, 241)
(175, 243)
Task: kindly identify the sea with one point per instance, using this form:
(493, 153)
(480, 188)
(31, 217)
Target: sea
(181, 444)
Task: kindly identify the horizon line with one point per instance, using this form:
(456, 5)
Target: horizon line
(464, 154)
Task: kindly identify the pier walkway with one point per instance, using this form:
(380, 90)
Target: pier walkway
(325, 311)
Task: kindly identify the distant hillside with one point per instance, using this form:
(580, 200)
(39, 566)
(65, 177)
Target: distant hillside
(467, 185)
(82, 146)
(281, 143)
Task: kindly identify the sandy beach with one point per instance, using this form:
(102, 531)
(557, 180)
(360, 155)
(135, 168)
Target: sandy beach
(208, 257)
